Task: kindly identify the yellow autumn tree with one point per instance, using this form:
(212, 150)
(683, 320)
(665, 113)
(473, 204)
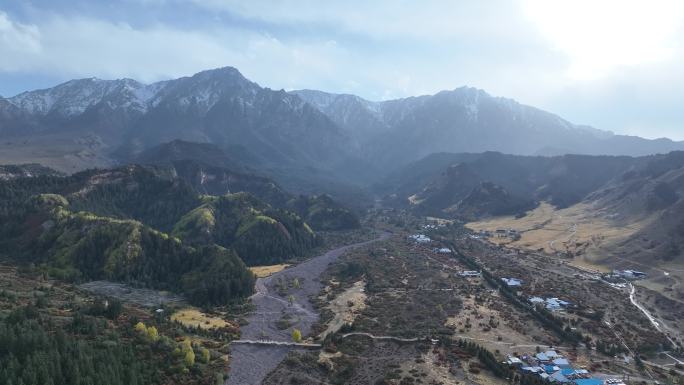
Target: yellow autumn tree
(152, 334)
(186, 345)
(296, 335)
(140, 328)
(188, 353)
(205, 356)
(189, 358)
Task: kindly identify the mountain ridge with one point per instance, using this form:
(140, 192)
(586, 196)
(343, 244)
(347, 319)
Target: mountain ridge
(310, 135)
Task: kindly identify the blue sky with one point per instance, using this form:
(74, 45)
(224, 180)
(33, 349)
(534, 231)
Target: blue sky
(613, 64)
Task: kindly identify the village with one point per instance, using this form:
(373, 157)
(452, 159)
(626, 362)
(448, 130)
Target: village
(547, 365)
(552, 366)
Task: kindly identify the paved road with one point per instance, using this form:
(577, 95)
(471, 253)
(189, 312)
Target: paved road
(654, 321)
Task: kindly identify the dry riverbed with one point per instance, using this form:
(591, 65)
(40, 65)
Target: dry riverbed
(281, 305)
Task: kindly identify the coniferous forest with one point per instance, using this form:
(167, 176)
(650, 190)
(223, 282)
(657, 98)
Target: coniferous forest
(143, 226)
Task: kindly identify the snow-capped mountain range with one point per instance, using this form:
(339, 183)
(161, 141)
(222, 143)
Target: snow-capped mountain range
(302, 129)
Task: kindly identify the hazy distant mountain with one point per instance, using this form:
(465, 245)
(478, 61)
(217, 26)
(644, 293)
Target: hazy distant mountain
(213, 171)
(235, 159)
(308, 140)
(468, 120)
(440, 183)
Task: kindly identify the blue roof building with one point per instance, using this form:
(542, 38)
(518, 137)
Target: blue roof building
(559, 377)
(532, 369)
(562, 362)
(568, 371)
(589, 381)
(551, 368)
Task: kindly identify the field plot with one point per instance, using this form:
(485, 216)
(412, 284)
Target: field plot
(265, 271)
(192, 317)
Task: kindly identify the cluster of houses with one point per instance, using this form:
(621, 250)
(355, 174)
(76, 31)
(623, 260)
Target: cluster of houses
(512, 282)
(552, 304)
(442, 250)
(629, 274)
(553, 367)
(482, 234)
(508, 233)
(420, 238)
(513, 234)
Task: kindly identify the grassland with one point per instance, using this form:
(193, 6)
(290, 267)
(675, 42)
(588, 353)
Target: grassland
(578, 232)
(192, 317)
(265, 271)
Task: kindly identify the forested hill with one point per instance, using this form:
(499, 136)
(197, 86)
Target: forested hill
(12, 171)
(78, 246)
(259, 233)
(146, 226)
(215, 171)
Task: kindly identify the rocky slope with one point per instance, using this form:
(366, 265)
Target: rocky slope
(307, 138)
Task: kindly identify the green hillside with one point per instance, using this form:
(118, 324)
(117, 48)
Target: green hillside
(259, 233)
(83, 246)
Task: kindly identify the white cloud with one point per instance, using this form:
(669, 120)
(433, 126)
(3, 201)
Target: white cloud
(81, 47)
(395, 19)
(18, 43)
(575, 58)
(601, 36)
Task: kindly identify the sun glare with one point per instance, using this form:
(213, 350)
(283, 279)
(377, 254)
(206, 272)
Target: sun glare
(600, 36)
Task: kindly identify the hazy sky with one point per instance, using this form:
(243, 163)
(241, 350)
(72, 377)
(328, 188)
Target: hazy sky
(613, 64)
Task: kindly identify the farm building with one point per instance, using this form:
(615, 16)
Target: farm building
(420, 238)
(512, 281)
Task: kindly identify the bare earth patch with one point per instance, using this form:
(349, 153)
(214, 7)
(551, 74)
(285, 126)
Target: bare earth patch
(346, 307)
(265, 271)
(504, 337)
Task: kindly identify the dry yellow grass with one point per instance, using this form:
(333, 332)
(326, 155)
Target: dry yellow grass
(440, 221)
(346, 306)
(579, 230)
(511, 338)
(194, 318)
(265, 271)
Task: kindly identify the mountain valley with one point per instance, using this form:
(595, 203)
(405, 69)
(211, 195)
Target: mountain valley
(429, 239)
